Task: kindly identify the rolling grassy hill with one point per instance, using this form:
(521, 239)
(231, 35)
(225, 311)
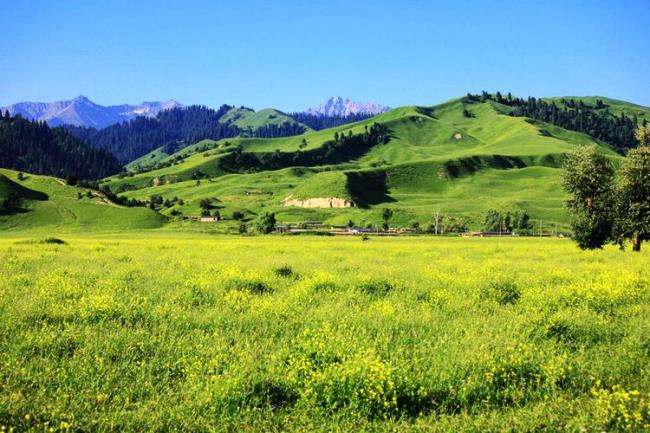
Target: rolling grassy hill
(461, 157)
(436, 158)
(47, 205)
(249, 122)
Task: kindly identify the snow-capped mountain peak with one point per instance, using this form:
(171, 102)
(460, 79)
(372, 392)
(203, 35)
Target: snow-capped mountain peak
(81, 111)
(338, 106)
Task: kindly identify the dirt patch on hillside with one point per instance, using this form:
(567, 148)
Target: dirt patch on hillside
(318, 202)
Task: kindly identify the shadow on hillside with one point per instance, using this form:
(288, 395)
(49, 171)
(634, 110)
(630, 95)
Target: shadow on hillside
(368, 187)
(9, 211)
(468, 166)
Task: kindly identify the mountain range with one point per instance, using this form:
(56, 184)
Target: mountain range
(81, 111)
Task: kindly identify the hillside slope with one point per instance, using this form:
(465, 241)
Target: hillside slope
(461, 157)
(45, 204)
(34, 147)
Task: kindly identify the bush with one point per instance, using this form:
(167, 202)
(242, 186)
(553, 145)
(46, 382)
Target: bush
(502, 292)
(248, 283)
(376, 286)
(55, 241)
(273, 393)
(266, 223)
(285, 271)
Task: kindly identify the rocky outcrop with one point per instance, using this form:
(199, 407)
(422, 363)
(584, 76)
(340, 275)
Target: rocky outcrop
(320, 202)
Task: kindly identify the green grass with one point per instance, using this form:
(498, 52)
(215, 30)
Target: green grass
(176, 332)
(48, 205)
(146, 161)
(436, 159)
(249, 120)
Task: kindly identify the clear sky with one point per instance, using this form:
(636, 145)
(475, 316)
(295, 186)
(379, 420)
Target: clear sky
(295, 54)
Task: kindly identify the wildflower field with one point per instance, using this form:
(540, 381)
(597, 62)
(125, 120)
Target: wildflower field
(179, 332)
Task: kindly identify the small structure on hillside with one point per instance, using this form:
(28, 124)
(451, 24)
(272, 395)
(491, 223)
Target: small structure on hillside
(210, 219)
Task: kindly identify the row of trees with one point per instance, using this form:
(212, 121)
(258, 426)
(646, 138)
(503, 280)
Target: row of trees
(499, 221)
(596, 121)
(34, 147)
(319, 122)
(608, 208)
(342, 148)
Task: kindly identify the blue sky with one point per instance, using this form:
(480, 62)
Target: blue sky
(294, 54)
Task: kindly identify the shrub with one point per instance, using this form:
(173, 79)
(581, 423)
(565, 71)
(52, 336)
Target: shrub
(285, 271)
(266, 223)
(55, 241)
(270, 392)
(247, 282)
(502, 292)
(376, 286)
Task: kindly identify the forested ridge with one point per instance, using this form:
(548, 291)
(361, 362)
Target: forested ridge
(173, 129)
(319, 122)
(595, 120)
(34, 147)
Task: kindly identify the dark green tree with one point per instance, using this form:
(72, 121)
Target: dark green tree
(205, 204)
(493, 221)
(266, 223)
(633, 197)
(588, 178)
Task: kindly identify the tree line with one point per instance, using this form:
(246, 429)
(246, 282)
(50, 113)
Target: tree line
(34, 147)
(319, 122)
(605, 206)
(343, 147)
(596, 121)
(173, 129)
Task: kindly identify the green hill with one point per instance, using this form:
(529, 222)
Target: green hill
(48, 205)
(462, 158)
(436, 158)
(248, 122)
(12, 190)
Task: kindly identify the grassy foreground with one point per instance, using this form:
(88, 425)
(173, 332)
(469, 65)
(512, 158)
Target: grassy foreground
(174, 332)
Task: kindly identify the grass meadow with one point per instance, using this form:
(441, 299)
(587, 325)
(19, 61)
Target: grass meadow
(177, 332)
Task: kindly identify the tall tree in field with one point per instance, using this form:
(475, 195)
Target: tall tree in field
(633, 202)
(588, 178)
